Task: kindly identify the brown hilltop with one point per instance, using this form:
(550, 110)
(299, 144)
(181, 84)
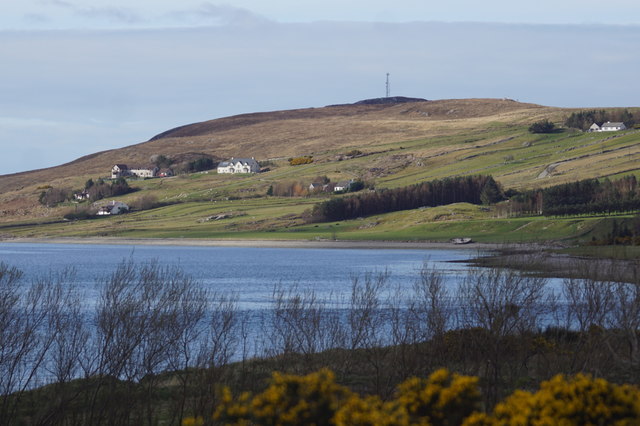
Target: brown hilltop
(280, 134)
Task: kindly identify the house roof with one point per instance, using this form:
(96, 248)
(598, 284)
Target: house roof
(121, 166)
(613, 124)
(143, 168)
(238, 160)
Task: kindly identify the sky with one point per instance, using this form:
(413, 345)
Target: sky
(77, 77)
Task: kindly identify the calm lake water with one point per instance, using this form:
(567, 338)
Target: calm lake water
(251, 273)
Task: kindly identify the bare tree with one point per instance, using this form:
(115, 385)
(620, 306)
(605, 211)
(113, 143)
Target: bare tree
(368, 328)
(499, 304)
(32, 327)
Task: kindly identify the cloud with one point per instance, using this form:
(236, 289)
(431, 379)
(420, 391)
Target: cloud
(113, 14)
(215, 14)
(122, 15)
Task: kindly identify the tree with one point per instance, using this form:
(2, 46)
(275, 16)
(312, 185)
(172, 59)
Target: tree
(490, 192)
(544, 126)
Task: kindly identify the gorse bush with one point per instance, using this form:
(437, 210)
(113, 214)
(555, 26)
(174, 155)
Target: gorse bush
(442, 399)
(289, 400)
(578, 400)
(297, 161)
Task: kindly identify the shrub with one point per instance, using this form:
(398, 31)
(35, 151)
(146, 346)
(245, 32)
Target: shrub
(54, 196)
(580, 400)
(443, 398)
(354, 153)
(289, 400)
(544, 126)
(80, 214)
(145, 202)
(297, 161)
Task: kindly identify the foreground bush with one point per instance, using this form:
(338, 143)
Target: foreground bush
(442, 399)
(579, 400)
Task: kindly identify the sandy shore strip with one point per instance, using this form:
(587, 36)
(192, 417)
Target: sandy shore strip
(306, 244)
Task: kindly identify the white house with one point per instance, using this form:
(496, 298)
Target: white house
(239, 165)
(607, 127)
(612, 127)
(343, 185)
(143, 172)
(81, 196)
(122, 170)
(113, 207)
(119, 170)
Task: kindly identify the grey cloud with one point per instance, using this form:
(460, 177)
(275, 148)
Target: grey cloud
(113, 14)
(36, 18)
(216, 14)
(59, 3)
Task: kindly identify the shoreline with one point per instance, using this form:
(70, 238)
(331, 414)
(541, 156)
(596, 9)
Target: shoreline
(306, 244)
(528, 258)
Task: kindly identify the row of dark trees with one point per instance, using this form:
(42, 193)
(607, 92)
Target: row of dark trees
(477, 189)
(97, 190)
(584, 119)
(187, 163)
(156, 346)
(589, 196)
(104, 189)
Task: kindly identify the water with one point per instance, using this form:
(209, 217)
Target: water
(251, 273)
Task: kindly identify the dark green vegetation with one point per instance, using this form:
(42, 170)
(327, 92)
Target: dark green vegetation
(159, 348)
(544, 126)
(470, 189)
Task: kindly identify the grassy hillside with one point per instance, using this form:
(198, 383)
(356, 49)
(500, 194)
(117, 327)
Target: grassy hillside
(400, 144)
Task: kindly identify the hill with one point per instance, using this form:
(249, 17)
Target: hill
(389, 145)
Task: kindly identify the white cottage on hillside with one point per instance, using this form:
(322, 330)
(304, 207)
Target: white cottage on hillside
(119, 170)
(608, 127)
(612, 127)
(143, 172)
(239, 165)
(113, 207)
(122, 170)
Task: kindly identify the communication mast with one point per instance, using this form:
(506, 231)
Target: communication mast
(388, 88)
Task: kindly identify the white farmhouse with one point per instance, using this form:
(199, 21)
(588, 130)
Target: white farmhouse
(119, 170)
(343, 185)
(143, 172)
(122, 170)
(608, 127)
(612, 127)
(113, 207)
(239, 165)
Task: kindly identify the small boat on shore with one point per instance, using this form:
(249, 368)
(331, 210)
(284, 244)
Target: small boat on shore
(461, 240)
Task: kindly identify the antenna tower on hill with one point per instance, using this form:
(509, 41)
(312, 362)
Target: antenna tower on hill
(388, 88)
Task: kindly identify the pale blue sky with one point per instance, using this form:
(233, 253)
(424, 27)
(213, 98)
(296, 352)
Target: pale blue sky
(80, 77)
